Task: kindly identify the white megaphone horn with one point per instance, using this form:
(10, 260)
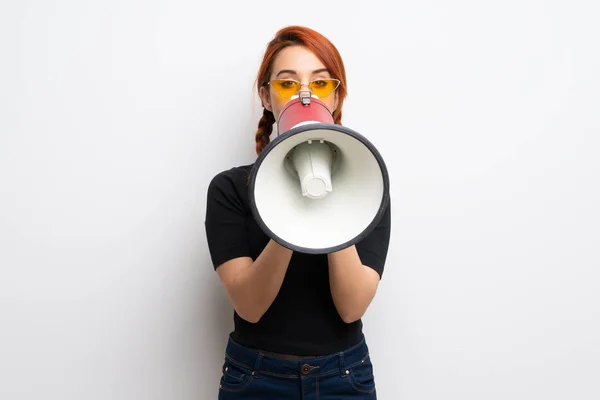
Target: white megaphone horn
(318, 187)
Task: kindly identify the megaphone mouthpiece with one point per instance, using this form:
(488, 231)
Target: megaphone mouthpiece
(297, 112)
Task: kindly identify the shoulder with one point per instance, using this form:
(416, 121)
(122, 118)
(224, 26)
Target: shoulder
(234, 178)
(228, 190)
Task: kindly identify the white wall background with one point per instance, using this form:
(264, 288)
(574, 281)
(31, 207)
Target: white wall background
(115, 115)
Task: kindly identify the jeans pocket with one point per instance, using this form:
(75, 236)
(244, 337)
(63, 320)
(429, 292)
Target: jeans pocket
(361, 376)
(235, 377)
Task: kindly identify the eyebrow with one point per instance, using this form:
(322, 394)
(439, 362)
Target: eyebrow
(290, 71)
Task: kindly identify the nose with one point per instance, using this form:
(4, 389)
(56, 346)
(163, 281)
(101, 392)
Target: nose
(304, 87)
(305, 94)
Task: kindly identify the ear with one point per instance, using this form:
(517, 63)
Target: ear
(265, 98)
(335, 102)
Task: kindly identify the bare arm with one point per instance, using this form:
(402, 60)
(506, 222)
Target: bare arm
(253, 286)
(353, 285)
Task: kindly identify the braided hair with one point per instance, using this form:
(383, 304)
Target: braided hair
(265, 128)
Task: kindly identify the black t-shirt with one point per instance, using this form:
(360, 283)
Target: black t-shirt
(302, 320)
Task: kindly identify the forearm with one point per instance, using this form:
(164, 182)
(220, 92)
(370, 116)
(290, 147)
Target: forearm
(256, 286)
(353, 285)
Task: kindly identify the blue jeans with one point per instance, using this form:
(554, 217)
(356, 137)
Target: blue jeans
(252, 375)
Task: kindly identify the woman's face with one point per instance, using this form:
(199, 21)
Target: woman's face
(300, 64)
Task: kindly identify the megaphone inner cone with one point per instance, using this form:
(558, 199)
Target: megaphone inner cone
(313, 162)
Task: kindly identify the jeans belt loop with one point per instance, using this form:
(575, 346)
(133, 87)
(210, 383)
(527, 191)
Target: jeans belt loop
(257, 365)
(341, 364)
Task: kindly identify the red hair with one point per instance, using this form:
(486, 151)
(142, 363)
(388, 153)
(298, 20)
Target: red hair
(325, 51)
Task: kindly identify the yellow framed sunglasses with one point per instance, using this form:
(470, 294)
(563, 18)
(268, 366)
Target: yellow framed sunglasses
(319, 87)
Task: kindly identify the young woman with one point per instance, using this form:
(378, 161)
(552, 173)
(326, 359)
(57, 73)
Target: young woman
(298, 329)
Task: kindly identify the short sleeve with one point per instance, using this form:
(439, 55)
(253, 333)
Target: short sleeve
(373, 249)
(225, 221)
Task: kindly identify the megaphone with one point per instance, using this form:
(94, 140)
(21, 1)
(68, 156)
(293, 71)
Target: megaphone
(318, 187)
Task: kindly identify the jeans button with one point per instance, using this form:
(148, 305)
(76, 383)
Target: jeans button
(305, 369)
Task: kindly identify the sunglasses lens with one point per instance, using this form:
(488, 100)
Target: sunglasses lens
(320, 87)
(286, 88)
(323, 87)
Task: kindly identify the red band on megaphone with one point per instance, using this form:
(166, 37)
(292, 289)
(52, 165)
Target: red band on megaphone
(295, 113)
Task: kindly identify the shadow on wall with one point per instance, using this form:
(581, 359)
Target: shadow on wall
(218, 325)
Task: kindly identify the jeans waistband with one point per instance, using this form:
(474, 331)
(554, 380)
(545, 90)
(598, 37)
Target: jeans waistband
(262, 363)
